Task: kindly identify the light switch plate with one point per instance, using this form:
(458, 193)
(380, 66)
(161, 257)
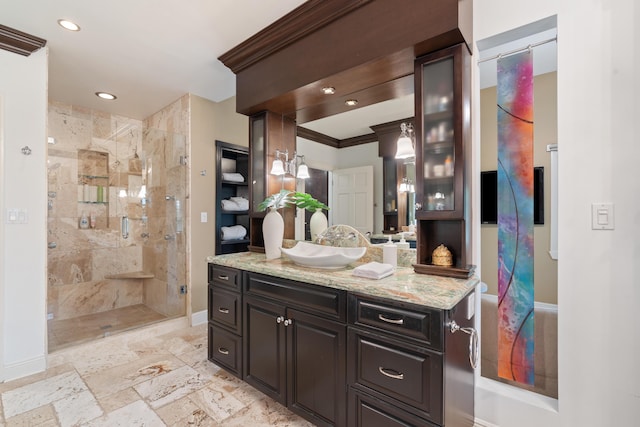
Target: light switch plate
(602, 216)
(203, 217)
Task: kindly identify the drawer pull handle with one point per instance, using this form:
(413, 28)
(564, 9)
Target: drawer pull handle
(388, 373)
(223, 310)
(223, 350)
(223, 277)
(394, 321)
(279, 319)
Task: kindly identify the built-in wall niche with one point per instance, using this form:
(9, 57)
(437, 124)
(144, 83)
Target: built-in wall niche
(93, 189)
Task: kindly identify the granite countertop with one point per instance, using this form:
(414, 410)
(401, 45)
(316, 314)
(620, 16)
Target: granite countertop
(404, 286)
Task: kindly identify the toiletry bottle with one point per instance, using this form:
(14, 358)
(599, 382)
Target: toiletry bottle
(448, 166)
(403, 244)
(84, 221)
(92, 220)
(390, 253)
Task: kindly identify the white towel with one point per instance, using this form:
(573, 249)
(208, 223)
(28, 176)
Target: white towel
(235, 204)
(373, 270)
(232, 176)
(234, 232)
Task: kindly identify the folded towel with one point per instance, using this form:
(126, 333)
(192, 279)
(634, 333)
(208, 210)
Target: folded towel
(234, 232)
(235, 205)
(232, 176)
(373, 270)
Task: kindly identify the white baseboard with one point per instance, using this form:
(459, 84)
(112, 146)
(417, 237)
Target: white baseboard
(482, 423)
(199, 318)
(22, 369)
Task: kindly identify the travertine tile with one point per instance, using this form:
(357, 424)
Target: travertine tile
(135, 414)
(182, 412)
(31, 396)
(216, 403)
(118, 400)
(121, 377)
(171, 386)
(77, 408)
(266, 413)
(44, 416)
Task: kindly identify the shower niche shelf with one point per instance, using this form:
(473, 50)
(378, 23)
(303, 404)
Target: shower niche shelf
(93, 186)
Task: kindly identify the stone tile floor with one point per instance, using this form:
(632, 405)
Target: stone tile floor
(67, 332)
(154, 376)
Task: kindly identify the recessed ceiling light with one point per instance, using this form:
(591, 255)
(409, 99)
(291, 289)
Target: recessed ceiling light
(351, 102)
(68, 25)
(106, 95)
(328, 90)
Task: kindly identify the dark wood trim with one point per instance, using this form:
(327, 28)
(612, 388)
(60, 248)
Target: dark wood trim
(305, 19)
(358, 140)
(18, 42)
(314, 136)
(321, 138)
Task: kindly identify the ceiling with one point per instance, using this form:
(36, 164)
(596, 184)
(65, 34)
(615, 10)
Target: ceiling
(150, 53)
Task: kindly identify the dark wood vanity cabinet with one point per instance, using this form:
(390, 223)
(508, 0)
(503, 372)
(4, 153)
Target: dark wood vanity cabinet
(338, 358)
(403, 363)
(225, 318)
(295, 346)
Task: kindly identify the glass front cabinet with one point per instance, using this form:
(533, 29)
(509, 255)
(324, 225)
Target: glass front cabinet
(442, 82)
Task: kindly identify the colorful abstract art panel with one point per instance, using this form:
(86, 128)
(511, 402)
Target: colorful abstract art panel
(515, 218)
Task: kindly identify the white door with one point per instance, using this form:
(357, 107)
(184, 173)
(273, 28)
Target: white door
(352, 198)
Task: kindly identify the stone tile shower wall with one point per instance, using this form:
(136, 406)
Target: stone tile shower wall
(100, 149)
(165, 141)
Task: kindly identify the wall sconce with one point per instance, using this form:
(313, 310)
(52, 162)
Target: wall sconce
(406, 186)
(291, 167)
(405, 142)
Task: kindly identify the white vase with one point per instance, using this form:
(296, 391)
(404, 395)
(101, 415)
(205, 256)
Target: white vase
(317, 224)
(272, 233)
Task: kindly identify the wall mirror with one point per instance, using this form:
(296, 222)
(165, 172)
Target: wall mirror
(351, 126)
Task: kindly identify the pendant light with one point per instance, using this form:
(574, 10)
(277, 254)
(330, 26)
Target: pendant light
(405, 142)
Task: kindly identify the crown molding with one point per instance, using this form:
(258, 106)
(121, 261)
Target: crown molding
(18, 42)
(305, 19)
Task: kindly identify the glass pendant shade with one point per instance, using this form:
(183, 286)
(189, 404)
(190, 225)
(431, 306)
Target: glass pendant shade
(405, 148)
(405, 143)
(303, 171)
(277, 168)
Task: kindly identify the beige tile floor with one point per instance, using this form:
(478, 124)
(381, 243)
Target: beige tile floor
(158, 375)
(67, 332)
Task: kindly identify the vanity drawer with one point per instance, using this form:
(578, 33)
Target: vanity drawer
(225, 308)
(315, 299)
(422, 324)
(225, 277)
(366, 411)
(225, 350)
(408, 376)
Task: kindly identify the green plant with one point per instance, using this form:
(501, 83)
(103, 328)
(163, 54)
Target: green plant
(277, 200)
(288, 198)
(305, 201)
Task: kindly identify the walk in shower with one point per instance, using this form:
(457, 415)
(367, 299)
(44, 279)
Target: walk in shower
(116, 223)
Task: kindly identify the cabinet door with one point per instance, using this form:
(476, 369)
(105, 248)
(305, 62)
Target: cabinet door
(264, 344)
(316, 368)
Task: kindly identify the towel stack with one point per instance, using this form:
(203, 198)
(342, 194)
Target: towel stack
(232, 176)
(235, 204)
(373, 270)
(234, 232)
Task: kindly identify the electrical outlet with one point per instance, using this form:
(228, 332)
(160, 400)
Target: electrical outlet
(183, 289)
(49, 316)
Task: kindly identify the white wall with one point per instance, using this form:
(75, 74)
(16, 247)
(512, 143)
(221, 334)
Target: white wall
(598, 291)
(23, 277)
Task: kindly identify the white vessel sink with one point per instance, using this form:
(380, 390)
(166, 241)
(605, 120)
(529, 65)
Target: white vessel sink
(318, 256)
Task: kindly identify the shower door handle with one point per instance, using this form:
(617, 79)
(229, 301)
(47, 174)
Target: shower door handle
(124, 227)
